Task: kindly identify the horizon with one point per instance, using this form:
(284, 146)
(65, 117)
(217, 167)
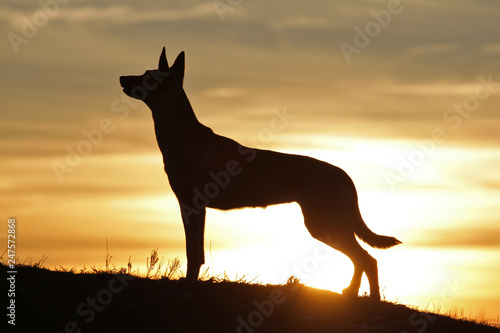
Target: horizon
(403, 96)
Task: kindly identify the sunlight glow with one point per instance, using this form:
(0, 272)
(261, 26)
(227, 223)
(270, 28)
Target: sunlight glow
(273, 244)
(79, 189)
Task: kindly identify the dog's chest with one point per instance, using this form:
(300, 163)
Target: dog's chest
(186, 165)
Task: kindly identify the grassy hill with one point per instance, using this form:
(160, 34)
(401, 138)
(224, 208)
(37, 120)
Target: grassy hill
(59, 301)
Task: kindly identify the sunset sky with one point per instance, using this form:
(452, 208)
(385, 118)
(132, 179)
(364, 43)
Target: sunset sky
(404, 96)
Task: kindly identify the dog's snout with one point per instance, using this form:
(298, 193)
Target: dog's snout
(122, 81)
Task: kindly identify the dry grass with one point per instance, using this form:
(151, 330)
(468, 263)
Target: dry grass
(158, 269)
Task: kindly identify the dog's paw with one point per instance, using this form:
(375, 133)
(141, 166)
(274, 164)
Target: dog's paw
(350, 293)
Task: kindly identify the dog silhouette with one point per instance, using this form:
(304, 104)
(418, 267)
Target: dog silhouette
(206, 170)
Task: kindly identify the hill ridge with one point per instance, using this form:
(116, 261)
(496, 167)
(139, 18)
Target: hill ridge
(55, 301)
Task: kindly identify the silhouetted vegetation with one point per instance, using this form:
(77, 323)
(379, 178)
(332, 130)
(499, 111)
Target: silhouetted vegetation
(121, 300)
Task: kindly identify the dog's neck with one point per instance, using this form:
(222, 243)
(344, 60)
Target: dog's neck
(174, 118)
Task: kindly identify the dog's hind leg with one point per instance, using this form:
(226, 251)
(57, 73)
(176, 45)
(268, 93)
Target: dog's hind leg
(338, 234)
(194, 228)
(353, 288)
(363, 262)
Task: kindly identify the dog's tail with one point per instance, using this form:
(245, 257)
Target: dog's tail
(366, 235)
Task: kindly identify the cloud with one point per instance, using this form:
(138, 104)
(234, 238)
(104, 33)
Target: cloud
(223, 92)
(262, 56)
(302, 22)
(127, 14)
(480, 237)
(110, 14)
(491, 49)
(433, 49)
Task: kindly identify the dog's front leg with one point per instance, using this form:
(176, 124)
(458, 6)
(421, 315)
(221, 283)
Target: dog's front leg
(194, 227)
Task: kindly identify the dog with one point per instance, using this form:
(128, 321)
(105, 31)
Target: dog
(206, 170)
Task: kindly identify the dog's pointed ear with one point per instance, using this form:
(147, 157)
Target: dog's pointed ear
(163, 63)
(178, 66)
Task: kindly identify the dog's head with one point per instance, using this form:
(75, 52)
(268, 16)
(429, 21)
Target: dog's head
(156, 82)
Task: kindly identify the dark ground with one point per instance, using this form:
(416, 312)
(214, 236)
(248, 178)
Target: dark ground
(49, 301)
